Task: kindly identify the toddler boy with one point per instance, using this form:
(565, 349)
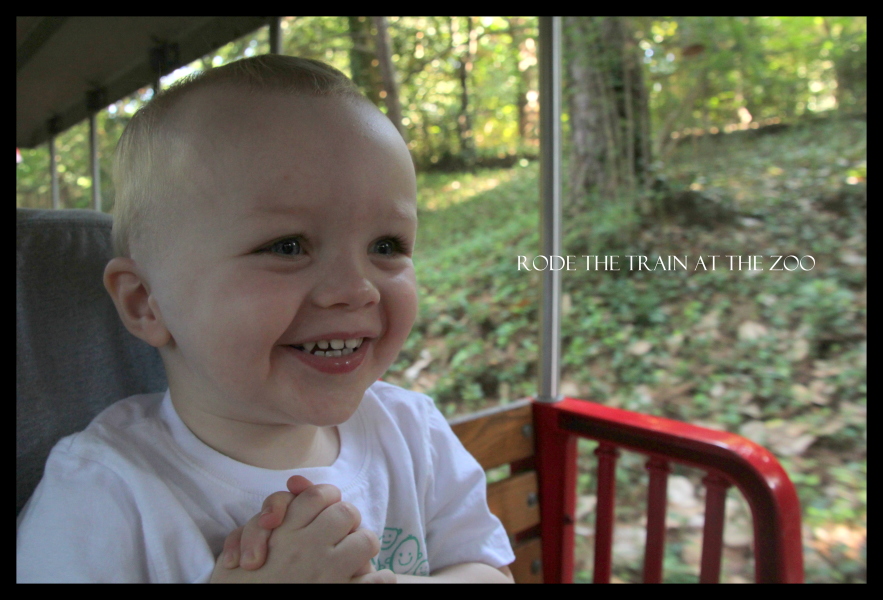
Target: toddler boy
(264, 225)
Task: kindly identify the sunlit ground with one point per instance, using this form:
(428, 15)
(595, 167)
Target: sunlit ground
(437, 191)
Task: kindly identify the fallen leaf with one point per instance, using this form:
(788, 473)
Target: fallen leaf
(801, 393)
(692, 550)
(793, 446)
(628, 542)
(853, 259)
(584, 531)
(709, 322)
(831, 427)
(674, 342)
(768, 299)
(751, 330)
(828, 537)
(644, 395)
(414, 370)
(751, 410)
(640, 348)
(821, 392)
(754, 431)
(738, 533)
(682, 493)
(799, 350)
(788, 439)
(585, 505)
(569, 389)
(822, 368)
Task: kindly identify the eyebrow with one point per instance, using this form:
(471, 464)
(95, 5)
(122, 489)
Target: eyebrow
(404, 211)
(409, 213)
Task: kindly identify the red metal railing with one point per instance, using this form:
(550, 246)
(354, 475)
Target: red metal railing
(728, 459)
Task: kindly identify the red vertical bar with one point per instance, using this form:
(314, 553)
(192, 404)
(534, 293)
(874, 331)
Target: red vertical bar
(604, 513)
(556, 470)
(657, 501)
(713, 532)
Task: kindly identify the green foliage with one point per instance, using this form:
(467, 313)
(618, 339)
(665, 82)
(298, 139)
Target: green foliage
(726, 73)
(671, 343)
(74, 167)
(72, 146)
(700, 71)
(827, 307)
(676, 343)
(500, 56)
(447, 307)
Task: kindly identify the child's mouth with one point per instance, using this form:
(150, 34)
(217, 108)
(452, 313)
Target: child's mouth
(325, 358)
(331, 348)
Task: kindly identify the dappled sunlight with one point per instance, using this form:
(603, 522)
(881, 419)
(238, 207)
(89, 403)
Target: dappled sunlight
(758, 171)
(729, 137)
(779, 358)
(827, 538)
(457, 188)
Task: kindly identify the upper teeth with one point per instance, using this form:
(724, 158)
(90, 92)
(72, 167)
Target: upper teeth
(337, 347)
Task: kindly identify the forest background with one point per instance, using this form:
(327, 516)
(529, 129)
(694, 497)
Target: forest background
(683, 136)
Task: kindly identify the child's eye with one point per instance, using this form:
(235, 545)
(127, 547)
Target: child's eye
(286, 247)
(390, 246)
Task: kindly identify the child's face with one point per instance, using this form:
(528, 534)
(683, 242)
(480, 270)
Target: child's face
(297, 218)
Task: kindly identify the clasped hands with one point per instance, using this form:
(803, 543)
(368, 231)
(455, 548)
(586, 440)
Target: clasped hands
(305, 535)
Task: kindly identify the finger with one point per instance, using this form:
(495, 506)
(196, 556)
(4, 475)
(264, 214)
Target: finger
(334, 523)
(384, 576)
(253, 545)
(297, 483)
(308, 504)
(230, 553)
(367, 568)
(274, 509)
(356, 549)
(256, 532)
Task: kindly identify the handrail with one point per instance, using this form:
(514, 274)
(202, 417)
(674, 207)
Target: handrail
(727, 458)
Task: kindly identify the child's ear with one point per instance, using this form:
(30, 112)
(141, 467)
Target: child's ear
(140, 315)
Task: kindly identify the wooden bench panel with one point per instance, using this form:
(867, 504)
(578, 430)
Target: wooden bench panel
(515, 502)
(497, 436)
(527, 567)
(502, 436)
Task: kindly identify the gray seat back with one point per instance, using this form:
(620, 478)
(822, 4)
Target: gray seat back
(73, 356)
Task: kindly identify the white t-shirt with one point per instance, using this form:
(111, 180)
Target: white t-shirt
(136, 497)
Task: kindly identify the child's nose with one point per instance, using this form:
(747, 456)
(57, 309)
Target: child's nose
(346, 284)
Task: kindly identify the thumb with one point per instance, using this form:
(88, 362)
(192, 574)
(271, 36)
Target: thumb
(368, 567)
(384, 576)
(297, 484)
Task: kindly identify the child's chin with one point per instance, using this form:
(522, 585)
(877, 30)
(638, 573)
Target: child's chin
(335, 412)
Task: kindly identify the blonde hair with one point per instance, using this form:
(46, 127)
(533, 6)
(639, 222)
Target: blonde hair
(142, 154)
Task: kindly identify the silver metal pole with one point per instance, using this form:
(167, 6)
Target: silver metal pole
(53, 173)
(275, 35)
(160, 62)
(93, 152)
(550, 211)
(157, 58)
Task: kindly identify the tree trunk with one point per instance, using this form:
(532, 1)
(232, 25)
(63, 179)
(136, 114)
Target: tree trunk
(524, 57)
(609, 113)
(464, 119)
(464, 52)
(362, 58)
(850, 65)
(387, 70)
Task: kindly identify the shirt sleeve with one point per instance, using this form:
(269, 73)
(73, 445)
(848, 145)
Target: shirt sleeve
(460, 527)
(80, 525)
